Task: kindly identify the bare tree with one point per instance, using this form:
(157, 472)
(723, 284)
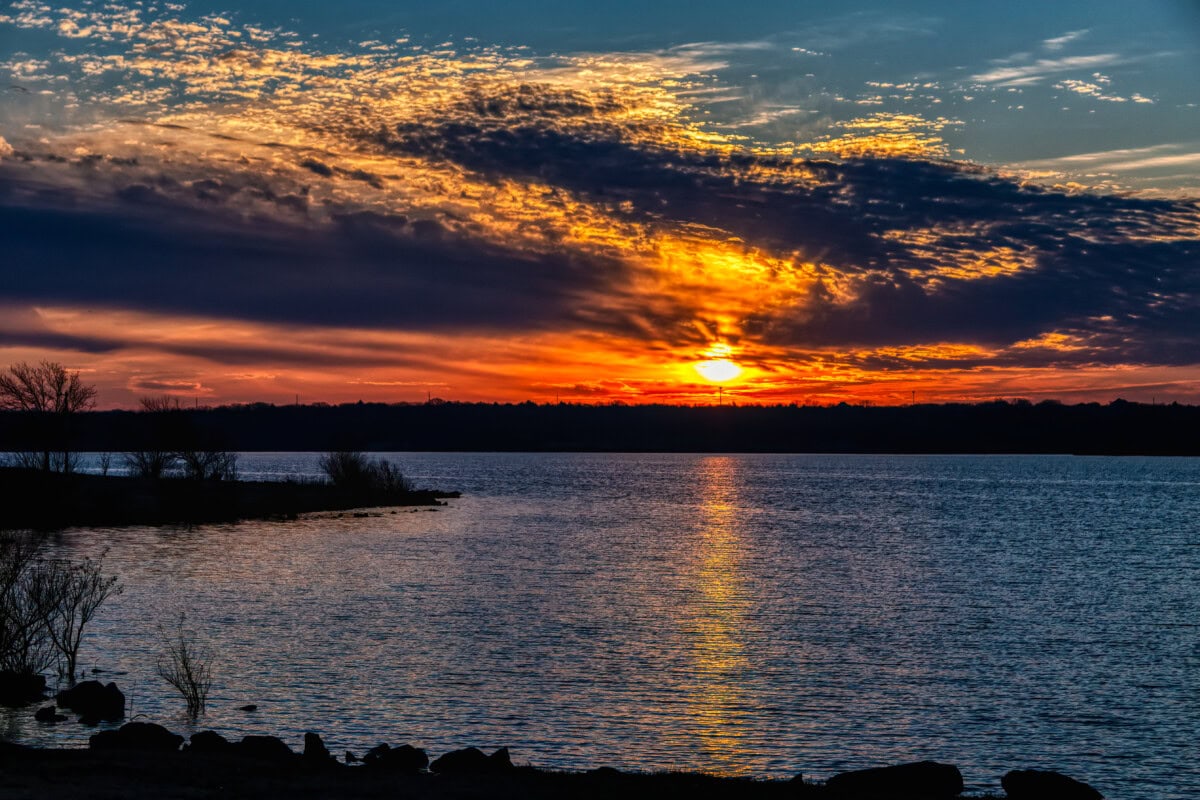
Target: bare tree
(24, 646)
(52, 393)
(160, 405)
(156, 455)
(150, 463)
(186, 665)
(74, 593)
(209, 465)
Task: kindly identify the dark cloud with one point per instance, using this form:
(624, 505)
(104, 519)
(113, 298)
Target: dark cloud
(58, 341)
(361, 270)
(900, 236)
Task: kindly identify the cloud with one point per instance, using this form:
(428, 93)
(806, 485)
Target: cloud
(154, 252)
(1059, 42)
(1125, 160)
(1043, 68)
(1098, 90)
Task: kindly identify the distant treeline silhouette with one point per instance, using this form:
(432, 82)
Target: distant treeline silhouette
(1119, 427)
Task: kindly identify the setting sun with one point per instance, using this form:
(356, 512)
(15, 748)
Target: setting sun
(718, 368)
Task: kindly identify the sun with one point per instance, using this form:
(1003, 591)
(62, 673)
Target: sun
(719, 367)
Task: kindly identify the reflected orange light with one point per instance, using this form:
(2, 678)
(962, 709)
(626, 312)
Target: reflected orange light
(717, 704)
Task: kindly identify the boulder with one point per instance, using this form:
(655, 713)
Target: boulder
(263, 748)
(140, 736)
(499, 760)
(49, 714)
(924, 779)
(19, 689)
(1033, 784)
(472, 761)
(209, 742)
(93, 700)
(404, 758)
(315, 751)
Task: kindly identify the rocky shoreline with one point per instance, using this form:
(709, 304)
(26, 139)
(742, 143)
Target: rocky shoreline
(144, 760)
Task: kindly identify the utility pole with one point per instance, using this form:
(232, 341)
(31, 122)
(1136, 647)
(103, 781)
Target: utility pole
(720, 395)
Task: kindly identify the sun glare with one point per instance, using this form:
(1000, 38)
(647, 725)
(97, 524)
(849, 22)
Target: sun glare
(718, 370)
(718, 367)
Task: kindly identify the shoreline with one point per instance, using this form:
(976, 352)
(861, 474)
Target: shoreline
(145, 760)
(50, 501)
(89, 773)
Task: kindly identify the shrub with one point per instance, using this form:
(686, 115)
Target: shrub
(354, 471)
(151, 463)
(186, 665)
(208, 465)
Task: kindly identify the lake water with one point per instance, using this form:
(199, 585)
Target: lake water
(757, 614)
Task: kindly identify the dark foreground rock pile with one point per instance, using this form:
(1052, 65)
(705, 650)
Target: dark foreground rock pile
(144, 760)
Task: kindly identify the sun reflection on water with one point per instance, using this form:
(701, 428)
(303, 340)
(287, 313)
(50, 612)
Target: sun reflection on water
(717, 701)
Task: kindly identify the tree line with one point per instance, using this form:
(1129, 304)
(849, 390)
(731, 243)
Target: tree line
(163, 437)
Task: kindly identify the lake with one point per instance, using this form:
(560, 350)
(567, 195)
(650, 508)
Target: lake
(756, 614)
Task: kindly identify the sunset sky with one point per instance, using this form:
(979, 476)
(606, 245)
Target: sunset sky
(633, 201)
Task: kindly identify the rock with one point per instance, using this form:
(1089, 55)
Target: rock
(93, 700)
(1033, 784)
(351, 758)
(472, 761)
(209, 742)
(315, 751)
(141, 736)
(49, 714)
(250, 707)
(499, 760)
(19, 689)
(404, 758)
(264, 748)
(924, 779)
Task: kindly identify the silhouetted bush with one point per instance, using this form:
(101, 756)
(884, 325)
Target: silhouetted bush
(186, 665)
(151, 463)
(208, 465)
(353, 471)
